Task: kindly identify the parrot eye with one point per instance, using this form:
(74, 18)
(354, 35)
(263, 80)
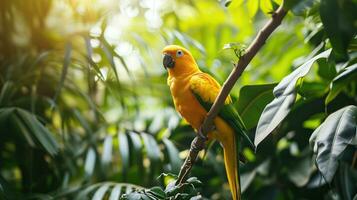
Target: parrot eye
(179, 53)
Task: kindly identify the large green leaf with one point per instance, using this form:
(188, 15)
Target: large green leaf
(152, 148)
(338, 18)
(7, 91)
(347, 176)
(107, 150)
(173, 154)
(285, 95)
(153, 152)
(252, 101)
(124, 151)
(100, 193)
(89, 163)
(341, 81)
(137, 146)
(106, 190)
(301, 171)
(29, 122)
(116, 192)
(332, 137)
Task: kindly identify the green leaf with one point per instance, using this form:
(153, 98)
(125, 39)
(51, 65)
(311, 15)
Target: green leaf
(7, 91)
(99, 194)
(173, 154)
(66, 63)
(104, 190)
(89, 163)
(266, 6)
(157, 192)
(316, 181)
(124, 151)
(151, 147)
(312, 89)
(38, 131)
(332, 137)
(301, 7)
(115, 193)
(285, 95)
(326, 69)
(7, 190)
(107, 149)
(5, 114)
(136, 196)
(84, 123)
(186, 190)
(194, 181)
(247, 179)
(238, 48)
(348, 75)
(252, 6)
(90, 60)
(301, 171)
(21, 128)
(83, 194)
(347, 176)
(338, 18)
(137, 146)
(251, 102)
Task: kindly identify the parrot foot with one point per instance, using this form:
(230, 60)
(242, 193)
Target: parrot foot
(201, 135)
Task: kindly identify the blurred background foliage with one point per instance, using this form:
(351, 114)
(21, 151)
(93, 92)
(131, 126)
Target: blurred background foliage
(85, 111)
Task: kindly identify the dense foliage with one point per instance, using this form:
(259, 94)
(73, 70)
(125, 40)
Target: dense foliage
(85, 111)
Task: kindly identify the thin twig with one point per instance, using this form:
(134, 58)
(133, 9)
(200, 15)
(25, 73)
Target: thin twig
(199, 142)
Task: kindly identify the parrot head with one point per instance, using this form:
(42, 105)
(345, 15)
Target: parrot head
(178, 60)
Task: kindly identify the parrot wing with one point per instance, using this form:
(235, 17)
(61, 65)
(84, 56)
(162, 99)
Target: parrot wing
(206, 90)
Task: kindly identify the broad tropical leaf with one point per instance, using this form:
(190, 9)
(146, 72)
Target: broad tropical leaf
(285, 95)
(332, 137)
(100, 191)
(339, 82)
(251, 102)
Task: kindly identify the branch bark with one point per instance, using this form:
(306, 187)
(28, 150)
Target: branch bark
(199, 141)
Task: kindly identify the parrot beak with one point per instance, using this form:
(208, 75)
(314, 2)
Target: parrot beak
(168, 61)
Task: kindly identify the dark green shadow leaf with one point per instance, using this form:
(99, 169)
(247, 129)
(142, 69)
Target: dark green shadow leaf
(341, 81)
(173, 154)
(124, 151)
(152, 148)
(251, 102)
(338, 18)
(331, 138)
(66, 63)
(37, 131)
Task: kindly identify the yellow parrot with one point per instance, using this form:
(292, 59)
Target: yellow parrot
(193, 93)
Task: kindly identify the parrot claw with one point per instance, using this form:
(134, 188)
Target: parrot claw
(201, 135)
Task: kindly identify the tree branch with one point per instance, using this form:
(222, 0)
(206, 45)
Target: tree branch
(199, 141)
